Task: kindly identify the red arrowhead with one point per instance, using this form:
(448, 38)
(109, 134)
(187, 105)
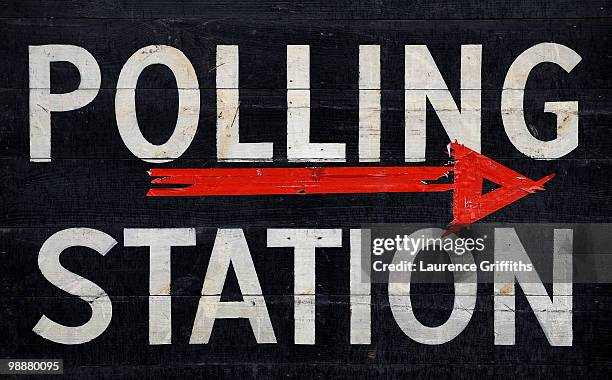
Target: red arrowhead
(469, 204)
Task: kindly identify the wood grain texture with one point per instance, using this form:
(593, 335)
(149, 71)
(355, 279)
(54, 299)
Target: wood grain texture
(94, 181)
(309, 9)
(334, 48)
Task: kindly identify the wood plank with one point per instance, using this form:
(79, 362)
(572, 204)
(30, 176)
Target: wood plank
(308, 9)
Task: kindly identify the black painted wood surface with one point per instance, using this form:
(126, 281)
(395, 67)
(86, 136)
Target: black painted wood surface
(94, 181)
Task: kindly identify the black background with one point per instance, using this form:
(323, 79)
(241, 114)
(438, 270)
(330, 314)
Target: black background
(94, 181)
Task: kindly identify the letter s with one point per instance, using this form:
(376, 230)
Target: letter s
(55, 273)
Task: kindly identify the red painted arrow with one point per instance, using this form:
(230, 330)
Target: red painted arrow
(470, 168)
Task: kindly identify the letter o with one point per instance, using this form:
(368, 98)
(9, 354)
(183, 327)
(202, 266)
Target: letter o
(188, 110)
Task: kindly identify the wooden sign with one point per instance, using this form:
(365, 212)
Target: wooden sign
(306, 189)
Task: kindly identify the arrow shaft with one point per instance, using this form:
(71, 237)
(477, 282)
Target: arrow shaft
(328, 180)
(470, 169)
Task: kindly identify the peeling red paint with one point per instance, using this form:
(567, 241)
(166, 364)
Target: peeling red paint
(470, 168)
(262, 181)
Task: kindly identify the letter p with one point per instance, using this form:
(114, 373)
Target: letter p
(43, 102)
